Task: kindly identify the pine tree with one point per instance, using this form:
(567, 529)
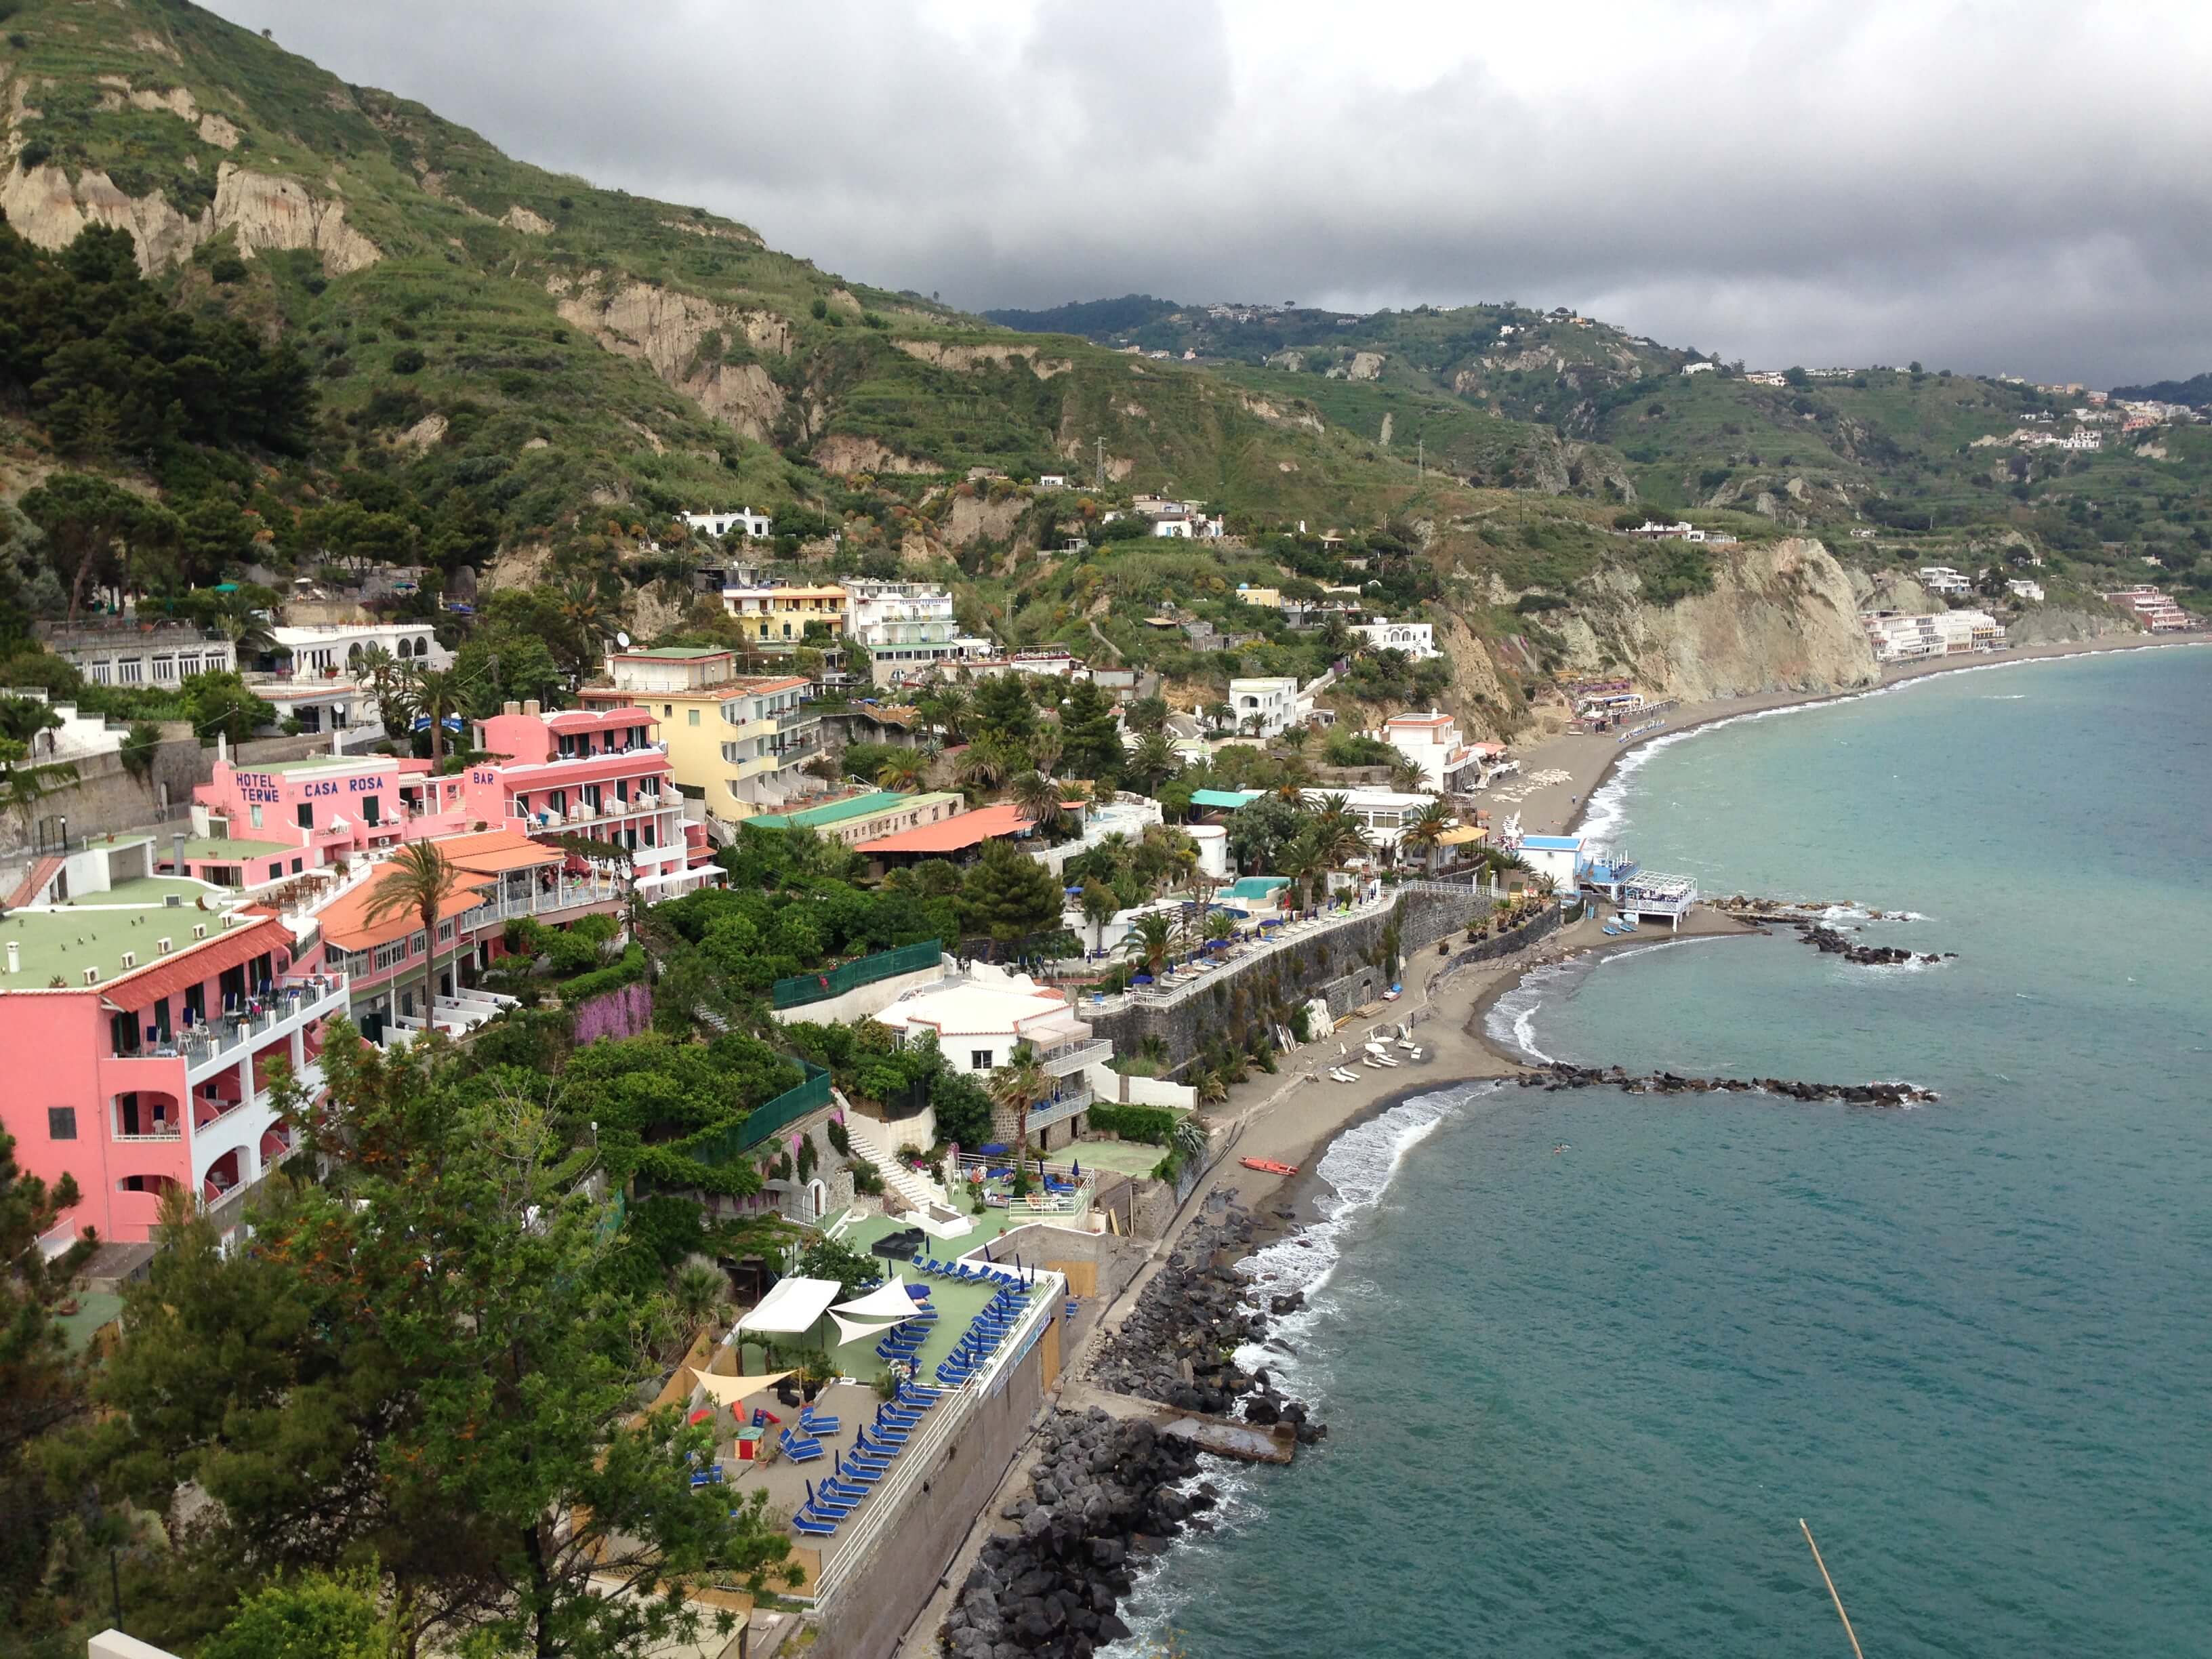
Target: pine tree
(1009, 896)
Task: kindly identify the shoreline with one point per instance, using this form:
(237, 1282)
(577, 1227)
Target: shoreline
(1590, 762)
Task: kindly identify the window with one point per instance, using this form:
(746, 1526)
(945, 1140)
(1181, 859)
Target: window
(372, 809)
(667, 709)
(275, 869)
(691, 717)
(306, 811)
(61, 1123)
(254, 814)
(979, 1060)
(295, 867)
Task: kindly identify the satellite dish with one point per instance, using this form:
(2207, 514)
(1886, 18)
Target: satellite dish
(621, 639)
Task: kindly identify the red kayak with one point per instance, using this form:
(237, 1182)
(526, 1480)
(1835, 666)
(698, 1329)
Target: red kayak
(1268, 1166)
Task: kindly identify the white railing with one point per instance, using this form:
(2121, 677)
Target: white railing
(922, 1452)
(218, 1043)
(1191, 980)
(1074, 1056)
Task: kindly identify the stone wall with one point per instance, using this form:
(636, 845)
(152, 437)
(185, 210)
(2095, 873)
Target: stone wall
(866, 1617)
(1238, 997)
(106, 798)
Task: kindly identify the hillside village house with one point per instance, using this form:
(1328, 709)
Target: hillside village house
(977, 1022)
(739, 744)
(1941, 580)
(956, 836)
(754, 526)
(1264, 705)
(316, 673)
(1385, 813)
(906, 629)
(2152, 608)
(1417, 640)
(776, 618)
(1433, 743)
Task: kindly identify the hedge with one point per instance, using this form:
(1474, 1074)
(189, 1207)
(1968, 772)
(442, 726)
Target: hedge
(613, 977)
(1153, 1124)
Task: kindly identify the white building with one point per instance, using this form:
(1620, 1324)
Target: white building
(1264, 706)
(1699, 368)
(2021, 588)
(905, 628)
(1941, 579)
(1433, 743)
(756, 527)
(1652, 531)
(980, 1019)
(121, 652)
(1417, 640)
(338, 647)
(1946, 633)
(1383, 812)
(1052, 481)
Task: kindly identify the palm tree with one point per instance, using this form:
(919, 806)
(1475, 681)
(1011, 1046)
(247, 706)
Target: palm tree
(1044, 751)
(1098, 905)
(1302, 864)
(434, 693)
(1189, 1136)
(980, 767)
(903, 773)
(1219, 925)
(1296, 738)
(1152, 762)
(420, 879)
(699, 1293)
(948, 708)
(1406, 775)
(1252, 724)
(1426, 832)
(1220, 716)
(586, 617)
(1151, 941)
(1016, 1086)
(1038, 798)
(1211, 1091)
(1339, 839)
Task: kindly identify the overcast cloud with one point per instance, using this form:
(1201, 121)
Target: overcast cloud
(2012, 187)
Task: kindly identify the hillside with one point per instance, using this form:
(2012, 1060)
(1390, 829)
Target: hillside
(517, 374)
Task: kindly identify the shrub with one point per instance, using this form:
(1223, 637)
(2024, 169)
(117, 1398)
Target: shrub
(867, 1177)
(1154, 1125)
(408, 360)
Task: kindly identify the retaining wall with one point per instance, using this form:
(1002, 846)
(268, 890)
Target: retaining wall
(1296, 973)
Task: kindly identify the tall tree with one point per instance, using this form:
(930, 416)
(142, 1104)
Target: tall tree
(419, 879)
(42, 1385)
(1039, 798)
(1090, 740)
(434, 694)
(416, 1363)
(1004, 708)
(1009, 896)
(1099, 905)
(90, 523)
(1425, 832)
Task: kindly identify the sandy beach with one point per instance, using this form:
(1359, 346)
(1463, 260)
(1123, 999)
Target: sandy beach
(1557, 807)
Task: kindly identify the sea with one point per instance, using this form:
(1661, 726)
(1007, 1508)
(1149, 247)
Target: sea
(1588, 1360)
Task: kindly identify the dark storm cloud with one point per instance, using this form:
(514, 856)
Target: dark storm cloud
(1994, 187)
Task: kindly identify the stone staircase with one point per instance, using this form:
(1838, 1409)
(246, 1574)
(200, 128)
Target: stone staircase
(926, 1202)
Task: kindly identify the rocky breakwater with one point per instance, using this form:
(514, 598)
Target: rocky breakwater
(1560, 1075)
(1104, 1493)
(1830, 942)
(1178, 1346)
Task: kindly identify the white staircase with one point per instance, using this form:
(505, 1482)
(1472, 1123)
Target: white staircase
(926, 1199)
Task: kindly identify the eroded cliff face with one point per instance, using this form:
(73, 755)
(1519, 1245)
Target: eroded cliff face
(49, 208)
(1781, 617)
(668, 330)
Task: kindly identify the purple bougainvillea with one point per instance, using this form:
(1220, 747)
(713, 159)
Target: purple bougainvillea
(625, 1013)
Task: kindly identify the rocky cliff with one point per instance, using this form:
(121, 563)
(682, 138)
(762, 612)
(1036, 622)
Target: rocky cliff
(1780, 615)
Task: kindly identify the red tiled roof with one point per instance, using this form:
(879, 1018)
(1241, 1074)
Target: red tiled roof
(956, 833)
(169, 977)
(345, 918)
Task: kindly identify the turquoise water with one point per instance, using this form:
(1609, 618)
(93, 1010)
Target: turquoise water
(1579, 1399)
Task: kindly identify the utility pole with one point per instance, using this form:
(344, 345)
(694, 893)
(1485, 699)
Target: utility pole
(1100, 485)
(1421, 458)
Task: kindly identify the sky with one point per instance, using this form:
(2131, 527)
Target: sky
(2014, 186)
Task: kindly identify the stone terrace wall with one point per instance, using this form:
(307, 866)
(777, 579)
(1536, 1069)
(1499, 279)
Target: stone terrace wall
(1315, 962)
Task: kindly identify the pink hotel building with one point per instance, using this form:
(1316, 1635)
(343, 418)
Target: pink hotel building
(142, 1012)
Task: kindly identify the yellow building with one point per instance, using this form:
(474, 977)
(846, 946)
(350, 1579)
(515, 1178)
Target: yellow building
(776, 618)
(740, 743)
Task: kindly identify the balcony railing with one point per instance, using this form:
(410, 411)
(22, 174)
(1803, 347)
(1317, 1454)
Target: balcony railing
(1071, 1099)
(1070, 1057)
(294, 999)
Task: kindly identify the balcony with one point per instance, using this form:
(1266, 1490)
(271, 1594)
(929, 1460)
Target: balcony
(1068, 1058)
(228, 1038)
(1071, 1099)
(792, 721)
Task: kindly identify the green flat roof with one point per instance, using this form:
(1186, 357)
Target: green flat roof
(313, 762)
(67, 941)
(813, 817)
(152, 892)
(208, 846)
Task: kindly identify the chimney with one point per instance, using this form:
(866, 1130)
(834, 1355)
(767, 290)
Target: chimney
(510, 707)
(223, 745)
(530, 708)
(15, 956)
